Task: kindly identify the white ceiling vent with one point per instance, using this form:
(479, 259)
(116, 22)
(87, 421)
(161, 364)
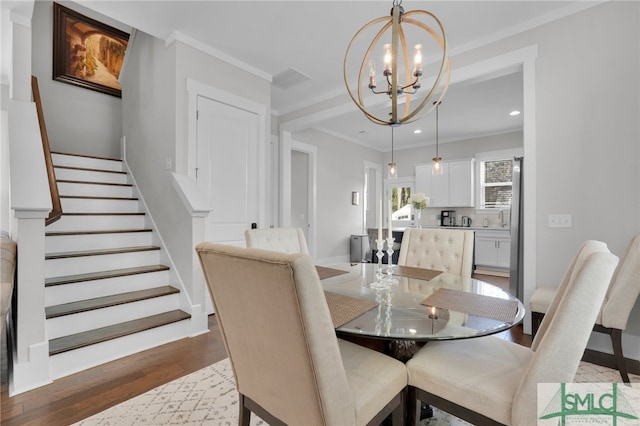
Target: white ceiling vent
(289, 78)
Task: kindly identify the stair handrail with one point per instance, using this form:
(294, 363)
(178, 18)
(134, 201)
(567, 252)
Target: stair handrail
(56, 211)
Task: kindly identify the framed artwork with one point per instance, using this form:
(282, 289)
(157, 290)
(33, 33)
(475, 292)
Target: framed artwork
(87, 53)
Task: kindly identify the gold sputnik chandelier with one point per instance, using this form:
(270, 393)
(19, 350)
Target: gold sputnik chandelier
(402, 78)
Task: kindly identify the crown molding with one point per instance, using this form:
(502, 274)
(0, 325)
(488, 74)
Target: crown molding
(178, 36)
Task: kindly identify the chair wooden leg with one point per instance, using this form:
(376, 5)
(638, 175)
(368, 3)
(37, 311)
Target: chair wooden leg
(536, 320)
(616, 342)
(245, 413)
(412, 406)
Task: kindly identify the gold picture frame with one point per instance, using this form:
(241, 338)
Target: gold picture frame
(87, 53)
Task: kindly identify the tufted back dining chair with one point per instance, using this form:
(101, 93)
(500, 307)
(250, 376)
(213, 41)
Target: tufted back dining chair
(289, 366)
(285, 240)
(447, 250)
(490, 380)
(621, 297)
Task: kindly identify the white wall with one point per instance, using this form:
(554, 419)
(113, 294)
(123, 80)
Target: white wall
(155, 105)
(340, 170)
(587, 134)
(78, 120)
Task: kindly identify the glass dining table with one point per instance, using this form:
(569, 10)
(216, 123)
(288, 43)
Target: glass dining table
(422, 305)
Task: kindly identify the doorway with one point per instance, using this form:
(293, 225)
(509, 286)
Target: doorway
(300, 186)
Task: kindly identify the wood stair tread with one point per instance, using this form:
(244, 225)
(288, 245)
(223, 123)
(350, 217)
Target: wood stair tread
(103, 334)
(87, 156)
(114, 273)
(90, 182)
(86, 169)
(97, 232)
(107, 301)
(99, 252)
(103, 214)
(90, 197)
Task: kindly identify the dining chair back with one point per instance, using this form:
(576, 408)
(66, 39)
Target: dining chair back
(286, 240)
(615, 311)
(490, 380)
(289, 366)
(447, 250)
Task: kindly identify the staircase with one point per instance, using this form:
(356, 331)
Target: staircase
(108, 292)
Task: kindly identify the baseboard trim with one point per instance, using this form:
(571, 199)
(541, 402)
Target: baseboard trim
(492, 272)
(608, 360)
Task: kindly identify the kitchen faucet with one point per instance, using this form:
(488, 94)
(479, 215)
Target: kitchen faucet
(501, 217)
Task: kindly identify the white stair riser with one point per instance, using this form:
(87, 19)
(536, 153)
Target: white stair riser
(94, 190)
(106, 262)
(84, 205)
(90, 175)
(62, 243)
(91, 320)
(97, 223)
(67, 293)
(71, 362)
(85, 162)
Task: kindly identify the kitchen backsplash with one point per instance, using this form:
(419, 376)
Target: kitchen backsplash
(431, 217)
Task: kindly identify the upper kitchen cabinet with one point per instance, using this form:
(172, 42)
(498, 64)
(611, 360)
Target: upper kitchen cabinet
(454, 188)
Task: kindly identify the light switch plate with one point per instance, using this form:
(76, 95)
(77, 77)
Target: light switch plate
(560, 221)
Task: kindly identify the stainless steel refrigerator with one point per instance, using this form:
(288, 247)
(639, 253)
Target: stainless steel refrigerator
(516, 281)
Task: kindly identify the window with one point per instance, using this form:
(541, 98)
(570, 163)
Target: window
(398, 192)
(495, 184)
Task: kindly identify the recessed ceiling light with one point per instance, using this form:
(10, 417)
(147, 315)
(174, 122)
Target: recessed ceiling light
(417, 131)
(514, 112)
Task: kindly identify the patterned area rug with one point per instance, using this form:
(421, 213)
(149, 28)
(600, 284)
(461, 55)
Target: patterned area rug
(208, 397)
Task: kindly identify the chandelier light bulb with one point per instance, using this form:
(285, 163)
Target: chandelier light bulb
(387, 59)
(372, 75)
(417, 61)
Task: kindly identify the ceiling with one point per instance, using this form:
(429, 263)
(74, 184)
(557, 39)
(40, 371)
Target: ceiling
(310, 37)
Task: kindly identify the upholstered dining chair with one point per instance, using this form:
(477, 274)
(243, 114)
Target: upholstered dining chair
(447, 250)
(289, 366)
(489, 381)
(286, 240)
(621, 297)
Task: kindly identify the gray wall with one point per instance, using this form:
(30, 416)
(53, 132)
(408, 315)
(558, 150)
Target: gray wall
(340, 170)
(78, 120)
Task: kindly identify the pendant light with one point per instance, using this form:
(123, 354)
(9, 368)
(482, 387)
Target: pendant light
(393, 35)
(393, 169)
(436, 168)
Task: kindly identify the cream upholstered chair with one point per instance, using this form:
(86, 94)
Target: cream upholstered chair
(290, 367)
(447, 250)
(286, 240)
(616, 308)
(489, 380)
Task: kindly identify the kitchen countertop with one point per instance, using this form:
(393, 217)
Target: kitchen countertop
(471, 228)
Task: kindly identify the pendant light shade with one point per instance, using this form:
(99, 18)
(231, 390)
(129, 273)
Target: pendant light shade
(393, 169)
(436, 167)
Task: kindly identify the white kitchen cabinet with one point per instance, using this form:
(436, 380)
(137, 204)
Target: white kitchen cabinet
(453, 188)
(492, 249)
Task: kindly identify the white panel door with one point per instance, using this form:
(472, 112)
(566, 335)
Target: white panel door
(227, 169)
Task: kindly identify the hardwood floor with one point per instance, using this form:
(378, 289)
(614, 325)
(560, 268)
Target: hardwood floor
(73, 398)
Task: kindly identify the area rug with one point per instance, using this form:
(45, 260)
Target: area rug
(208, 397)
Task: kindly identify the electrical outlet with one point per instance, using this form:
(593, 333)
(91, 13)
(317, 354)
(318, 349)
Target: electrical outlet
(560, 221)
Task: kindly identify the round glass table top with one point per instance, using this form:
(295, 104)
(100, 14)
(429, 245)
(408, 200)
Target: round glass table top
(445, 307)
